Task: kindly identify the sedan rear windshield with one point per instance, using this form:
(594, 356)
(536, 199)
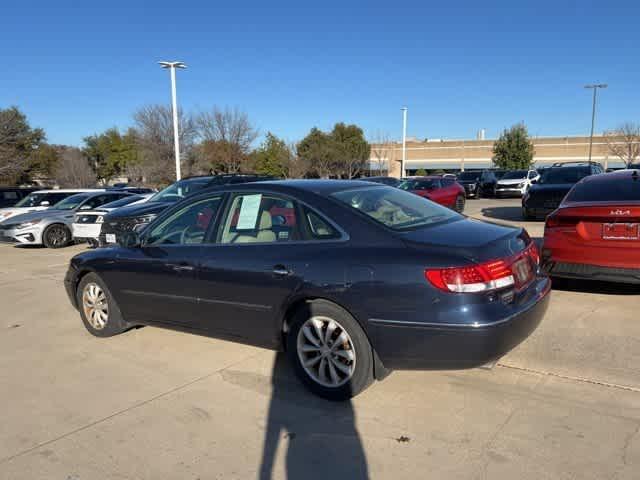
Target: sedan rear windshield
(620, 190)
(181, 189)
(564, 175)
(395, 208)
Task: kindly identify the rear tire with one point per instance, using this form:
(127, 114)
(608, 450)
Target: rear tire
(56, 236)
(460, 203)
(329, 351)
(98, 309)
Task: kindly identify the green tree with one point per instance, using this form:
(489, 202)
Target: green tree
(421, 172)
(18, 142)
(273, 157)
(513, 150)
(343, 152)
(110, 153)
(352, 151)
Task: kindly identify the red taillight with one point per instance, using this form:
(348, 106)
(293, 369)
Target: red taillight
(560, 221)
(484, 277)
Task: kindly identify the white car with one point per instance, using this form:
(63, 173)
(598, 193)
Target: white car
(516, 183)
(86, 226)
(40, 200)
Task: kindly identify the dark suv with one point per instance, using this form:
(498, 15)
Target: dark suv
(555, 182)
(9, 196)
(478, 183)
(128, 218)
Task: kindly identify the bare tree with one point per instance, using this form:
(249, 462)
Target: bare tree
(624, 142)
(227, 137)
(73, 169)
(381, 150)
(154, 135)
(296, 167)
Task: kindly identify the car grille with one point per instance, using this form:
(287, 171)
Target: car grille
(507, 187)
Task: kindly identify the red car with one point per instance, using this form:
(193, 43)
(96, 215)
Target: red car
(595, 233)
(443, 190)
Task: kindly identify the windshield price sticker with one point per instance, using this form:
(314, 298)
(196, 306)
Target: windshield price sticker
(248, 217)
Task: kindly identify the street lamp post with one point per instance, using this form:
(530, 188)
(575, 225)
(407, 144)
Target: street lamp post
(174, 106)
(404, 141)
(595, 88)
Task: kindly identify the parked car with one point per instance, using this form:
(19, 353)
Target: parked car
(547, 193)
(516, 183)
(38, 200)
(368, 279)
(391, 181)
(87, 224)
(126, 219)
(9, 196)
(52, 227)
(443, 190)
(136, 190)
(478, 183)
(595, 233)
(499, 173)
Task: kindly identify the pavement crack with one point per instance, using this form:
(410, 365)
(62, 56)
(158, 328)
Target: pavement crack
(591, 381)
(627, 444)
(123, 411)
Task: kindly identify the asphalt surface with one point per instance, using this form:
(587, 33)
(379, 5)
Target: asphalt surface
(156, 404)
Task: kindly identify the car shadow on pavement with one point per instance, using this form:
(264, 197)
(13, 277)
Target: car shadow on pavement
(320, 437)
(508, 213)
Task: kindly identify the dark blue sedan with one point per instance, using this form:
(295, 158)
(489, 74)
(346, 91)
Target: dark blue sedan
(352, 279)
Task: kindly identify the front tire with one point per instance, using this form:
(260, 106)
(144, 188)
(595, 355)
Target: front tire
(329, 351)
(98, 309)
(56, 236)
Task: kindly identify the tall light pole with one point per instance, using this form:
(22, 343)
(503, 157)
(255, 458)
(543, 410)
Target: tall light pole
(404, 141)
(174, 106)
(595, 88)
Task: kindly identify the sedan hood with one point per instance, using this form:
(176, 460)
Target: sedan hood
(472, 239)
(511, 181)
(49, 213)
(138, 210)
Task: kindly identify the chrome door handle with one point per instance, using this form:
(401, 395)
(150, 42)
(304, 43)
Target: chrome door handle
(281, 271)
(183, 268)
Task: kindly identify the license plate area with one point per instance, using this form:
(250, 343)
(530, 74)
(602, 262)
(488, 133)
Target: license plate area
(620, 231)
(522, 271)
(110, 238)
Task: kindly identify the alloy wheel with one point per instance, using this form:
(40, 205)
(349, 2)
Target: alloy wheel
(96, 308)
(326, 351)
(57, 236)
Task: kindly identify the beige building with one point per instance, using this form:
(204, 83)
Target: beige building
(471, 154)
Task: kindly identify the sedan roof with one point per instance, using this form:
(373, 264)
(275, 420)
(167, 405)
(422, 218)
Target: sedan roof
(319, 186)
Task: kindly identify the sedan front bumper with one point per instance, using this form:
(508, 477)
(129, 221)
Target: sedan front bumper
(21, 236)
(415, 346)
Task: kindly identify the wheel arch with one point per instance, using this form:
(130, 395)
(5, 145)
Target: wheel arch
(379, 370)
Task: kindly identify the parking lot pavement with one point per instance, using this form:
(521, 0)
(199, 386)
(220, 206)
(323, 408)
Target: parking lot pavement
(153, 403)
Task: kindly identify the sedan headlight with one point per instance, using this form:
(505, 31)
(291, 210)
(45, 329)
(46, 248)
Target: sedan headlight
(100, 219)
(28, 224)
(520, 185)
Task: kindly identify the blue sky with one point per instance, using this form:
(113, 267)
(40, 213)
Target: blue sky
(79, 68)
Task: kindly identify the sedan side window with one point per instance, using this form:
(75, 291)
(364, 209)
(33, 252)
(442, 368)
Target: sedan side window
(186, 226)
(260, 218)
(319, 228)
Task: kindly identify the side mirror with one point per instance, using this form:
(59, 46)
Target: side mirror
(129, 240)
(44, 203)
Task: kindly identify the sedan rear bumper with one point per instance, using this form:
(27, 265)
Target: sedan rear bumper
(412, 346)
(593, 272)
